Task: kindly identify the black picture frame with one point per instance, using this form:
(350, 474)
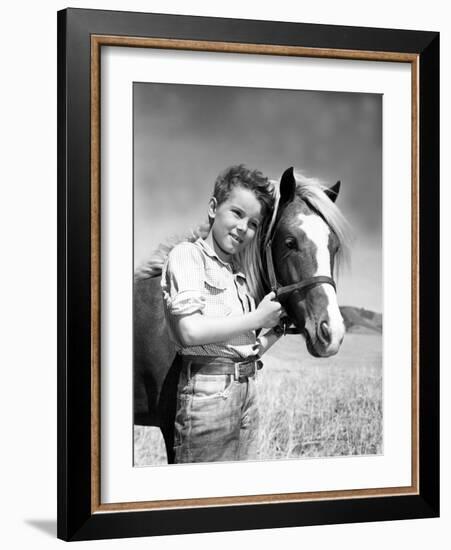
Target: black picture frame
(78, 512)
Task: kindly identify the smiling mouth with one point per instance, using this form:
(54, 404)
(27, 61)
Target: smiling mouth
(236, 239)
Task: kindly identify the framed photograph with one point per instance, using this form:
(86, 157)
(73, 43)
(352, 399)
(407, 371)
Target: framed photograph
(248, 274)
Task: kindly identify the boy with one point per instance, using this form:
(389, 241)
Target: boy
(211, 316)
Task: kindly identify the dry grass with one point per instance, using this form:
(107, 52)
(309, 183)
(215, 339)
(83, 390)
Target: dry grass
(309, 407)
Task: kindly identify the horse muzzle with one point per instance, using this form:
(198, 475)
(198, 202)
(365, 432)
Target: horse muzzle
(323, 338)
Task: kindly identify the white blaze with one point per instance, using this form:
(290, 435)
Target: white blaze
(318, 232)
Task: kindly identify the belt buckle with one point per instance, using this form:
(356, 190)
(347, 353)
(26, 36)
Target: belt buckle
(238, 375)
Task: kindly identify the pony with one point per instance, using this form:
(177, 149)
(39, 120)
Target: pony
(295, 255)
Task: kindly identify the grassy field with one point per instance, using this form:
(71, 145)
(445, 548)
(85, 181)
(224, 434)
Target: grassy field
(309, 407)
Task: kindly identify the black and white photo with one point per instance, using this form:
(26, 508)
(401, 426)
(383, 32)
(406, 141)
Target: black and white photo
(320, 391)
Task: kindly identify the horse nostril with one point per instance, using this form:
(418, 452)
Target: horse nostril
(324, 330)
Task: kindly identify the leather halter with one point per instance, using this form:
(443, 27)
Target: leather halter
(281, 291)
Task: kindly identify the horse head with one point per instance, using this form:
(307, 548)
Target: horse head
(307, 236)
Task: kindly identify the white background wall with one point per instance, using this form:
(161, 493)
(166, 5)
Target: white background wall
(28, 272)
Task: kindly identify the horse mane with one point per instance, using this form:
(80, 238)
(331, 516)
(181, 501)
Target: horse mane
(153, 267)
(311, 190)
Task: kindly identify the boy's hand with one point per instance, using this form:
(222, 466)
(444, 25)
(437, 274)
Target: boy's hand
(269, 311)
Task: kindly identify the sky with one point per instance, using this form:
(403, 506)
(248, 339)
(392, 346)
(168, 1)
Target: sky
(185, 135)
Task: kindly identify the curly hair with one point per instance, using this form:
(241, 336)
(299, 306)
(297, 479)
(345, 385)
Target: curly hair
(241, 176)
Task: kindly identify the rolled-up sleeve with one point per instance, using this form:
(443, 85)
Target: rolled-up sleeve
(183, 279)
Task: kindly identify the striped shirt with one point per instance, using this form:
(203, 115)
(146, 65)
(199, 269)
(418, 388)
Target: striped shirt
(195, 279)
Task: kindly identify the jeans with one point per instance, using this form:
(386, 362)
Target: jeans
(216, 418)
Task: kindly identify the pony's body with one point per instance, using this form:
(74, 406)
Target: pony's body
(306, 218)
(153, 350)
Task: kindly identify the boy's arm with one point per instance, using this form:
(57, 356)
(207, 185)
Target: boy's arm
(196, 329)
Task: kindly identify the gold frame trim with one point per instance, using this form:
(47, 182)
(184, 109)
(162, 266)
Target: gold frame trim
(97, 41)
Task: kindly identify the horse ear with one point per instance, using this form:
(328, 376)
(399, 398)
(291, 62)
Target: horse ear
(333, 191)
(287, 186)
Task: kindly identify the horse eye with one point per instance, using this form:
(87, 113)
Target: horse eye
(291, 244)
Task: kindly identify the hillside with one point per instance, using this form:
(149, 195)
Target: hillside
(360, 320)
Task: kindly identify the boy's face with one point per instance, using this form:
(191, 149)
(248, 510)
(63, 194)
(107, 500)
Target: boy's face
(236, 221)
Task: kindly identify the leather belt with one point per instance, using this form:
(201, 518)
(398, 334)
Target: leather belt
(241, 370)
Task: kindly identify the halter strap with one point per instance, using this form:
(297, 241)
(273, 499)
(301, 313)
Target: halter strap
(306, 284)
